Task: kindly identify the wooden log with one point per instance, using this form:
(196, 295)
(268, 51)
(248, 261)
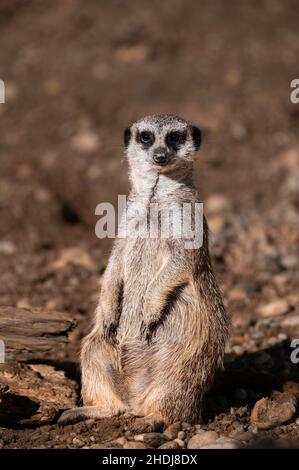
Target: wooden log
(33, 394)
(32, 333)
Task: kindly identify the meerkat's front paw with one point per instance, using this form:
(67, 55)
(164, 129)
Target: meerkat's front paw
(110, 332)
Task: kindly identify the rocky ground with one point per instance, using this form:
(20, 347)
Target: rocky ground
(73, 81)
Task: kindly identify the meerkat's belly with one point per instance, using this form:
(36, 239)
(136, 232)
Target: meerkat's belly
(143, 259)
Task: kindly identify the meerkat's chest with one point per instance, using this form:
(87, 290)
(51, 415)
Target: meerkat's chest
(143, 257)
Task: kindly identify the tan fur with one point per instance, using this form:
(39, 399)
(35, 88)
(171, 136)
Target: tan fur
(160, 326)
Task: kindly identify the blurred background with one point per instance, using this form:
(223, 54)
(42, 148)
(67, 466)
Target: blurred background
(77, 73)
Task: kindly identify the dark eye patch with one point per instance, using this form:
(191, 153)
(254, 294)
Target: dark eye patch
(175, 138)
(146, 138)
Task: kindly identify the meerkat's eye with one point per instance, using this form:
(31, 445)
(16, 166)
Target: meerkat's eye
(146, 138)
(174, 138)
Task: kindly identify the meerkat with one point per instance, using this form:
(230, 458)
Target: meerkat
(160, 327)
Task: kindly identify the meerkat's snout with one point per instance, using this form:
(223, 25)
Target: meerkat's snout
(161, 156)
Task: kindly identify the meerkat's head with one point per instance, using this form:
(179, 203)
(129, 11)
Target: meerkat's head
(161, 143)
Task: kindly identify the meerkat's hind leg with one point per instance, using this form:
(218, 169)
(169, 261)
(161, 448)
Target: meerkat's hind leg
(75, 415)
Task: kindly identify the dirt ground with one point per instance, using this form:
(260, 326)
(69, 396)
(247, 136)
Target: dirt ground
(76, 74)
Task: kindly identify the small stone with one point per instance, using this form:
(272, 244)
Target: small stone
(7, 247)
(170, 445)
(203, 439)
(134, 445)
(23, 303)
(180, 443)
(77, 442)
(290, 321)
(216, 204)
(239, 132)
(96, 446)
(134, 54)
(85, 141)
(121, 440)
(182, 435)
(289, 261)
(252, 429)
(297, 421)
(270, 412)
(274, 308)
(224, 443)
(238, 350)
(152, 439)
(172, 431)
(242, 436)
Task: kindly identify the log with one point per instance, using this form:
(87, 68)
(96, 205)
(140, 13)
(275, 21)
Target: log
(32, 394)
(32, 333)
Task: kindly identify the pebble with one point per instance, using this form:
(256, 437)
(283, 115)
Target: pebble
(133, 54)
(77, 442)
(217, 203)
(238, 350)
(121, 441)
(96, 446)
(203, 439)
(270, 412)
(242, 435)
(85, 141)
(224, 443)
(134, 445)
(290, 321)
(172, 431)
(152, 439)
(182, 435)
(253, 429)
(170, 445)
(274, 308)
(7, 247)
(180, 443)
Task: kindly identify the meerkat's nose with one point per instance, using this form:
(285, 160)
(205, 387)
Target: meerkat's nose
(160, 156)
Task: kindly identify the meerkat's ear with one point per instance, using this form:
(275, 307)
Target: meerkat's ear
(196, 136)
(127, 136)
